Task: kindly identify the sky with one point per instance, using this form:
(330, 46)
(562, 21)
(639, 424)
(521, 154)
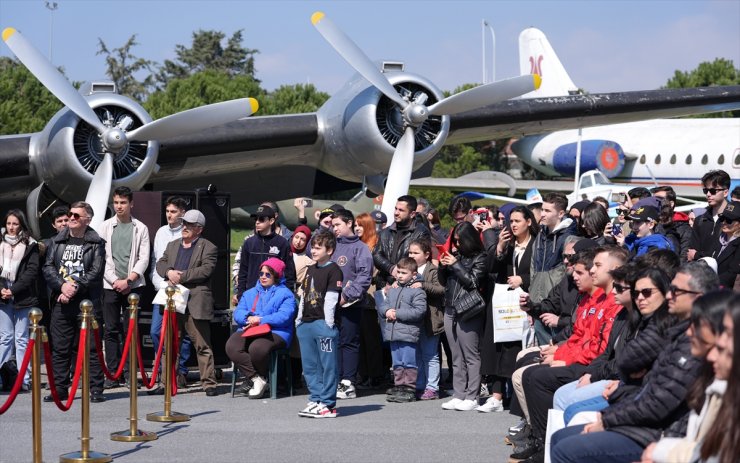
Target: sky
(606, 46)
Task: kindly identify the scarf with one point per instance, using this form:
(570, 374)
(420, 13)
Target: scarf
(12, 250)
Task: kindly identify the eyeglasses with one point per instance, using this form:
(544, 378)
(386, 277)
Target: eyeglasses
(265, 274)
(620, 288)
(76, 216)
(645, 292)
(676, 291)
(727, 220)
(712, 191)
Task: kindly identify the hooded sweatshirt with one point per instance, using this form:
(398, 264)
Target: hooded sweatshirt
(547, 267)
(257, 249)
(354, 258)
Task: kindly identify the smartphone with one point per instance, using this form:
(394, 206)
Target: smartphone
(483, 216)
(616, 229)
(619, 197)
(308, 202)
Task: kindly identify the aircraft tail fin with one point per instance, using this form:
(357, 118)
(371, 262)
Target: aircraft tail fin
(536, 56)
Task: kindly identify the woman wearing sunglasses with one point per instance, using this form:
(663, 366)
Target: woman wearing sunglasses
(728, 254)
(271, 303)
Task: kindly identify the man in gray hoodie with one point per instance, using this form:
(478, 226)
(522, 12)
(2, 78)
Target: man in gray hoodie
(354, 258)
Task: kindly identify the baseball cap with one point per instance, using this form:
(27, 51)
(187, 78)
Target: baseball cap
(732, 211)
(644, 213)
(263, 211)
(379, 216)
(194, 216)
(326, 213)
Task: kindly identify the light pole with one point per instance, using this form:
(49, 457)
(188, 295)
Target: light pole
(51, 6)
(485, 25)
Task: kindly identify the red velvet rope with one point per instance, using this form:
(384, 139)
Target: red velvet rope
(19, 379)
(124, 355)
(75, 380)
(175, 351)
(149, 384)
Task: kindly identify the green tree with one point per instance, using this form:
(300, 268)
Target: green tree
(207, 53)
(719, 72)
(200, 89)
(122, 67)
(293, 99)
(25, 104)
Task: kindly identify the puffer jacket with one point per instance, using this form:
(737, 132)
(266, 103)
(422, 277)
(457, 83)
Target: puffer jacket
(467, 274)
(411, 305)
(276, 306)
(93, 255)
(640, 352)
(639, 246)
(679, 232)
(383, 256)
(24, 288)
(661, 401)
(547, 267)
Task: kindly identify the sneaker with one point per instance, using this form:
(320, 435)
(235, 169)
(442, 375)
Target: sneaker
(466, 405)
(346, 390)
(182, 381)
(159, 390)
(451, 404)
(491, 405)
(259, 386)
(538, 457)
(245, 387)
(429, 394)
(518, 427)
(531, 450)
(520, 438)
(484, 391)
(308, 411)
(403, 395)
(319, 411)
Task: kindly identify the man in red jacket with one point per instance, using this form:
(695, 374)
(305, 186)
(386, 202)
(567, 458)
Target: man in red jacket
(595, 317)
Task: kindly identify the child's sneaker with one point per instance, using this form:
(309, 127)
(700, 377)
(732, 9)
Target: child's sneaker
(308, 411)
(429, 394)
(346, 390)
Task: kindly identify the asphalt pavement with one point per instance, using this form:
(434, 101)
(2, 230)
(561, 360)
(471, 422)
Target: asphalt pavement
(226, 429)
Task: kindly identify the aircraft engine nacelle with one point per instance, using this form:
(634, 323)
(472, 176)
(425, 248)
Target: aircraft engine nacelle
(360, 127)
(67, 152)
(607, 156)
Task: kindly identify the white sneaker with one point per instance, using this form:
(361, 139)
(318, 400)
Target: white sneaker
(466, 405)
(491, 405)
(346, 390)
(309, 411)
(259, 385)
(451, 404)
(484, 391)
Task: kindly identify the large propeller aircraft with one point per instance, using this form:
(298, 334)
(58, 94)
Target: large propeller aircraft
(383, 125)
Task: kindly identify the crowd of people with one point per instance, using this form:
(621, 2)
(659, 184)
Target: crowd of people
(627, 333)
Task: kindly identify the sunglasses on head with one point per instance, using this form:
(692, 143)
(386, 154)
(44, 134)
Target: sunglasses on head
(646, 292)
(265, 274)
(76, 216)
(620, 288)
(712, 191)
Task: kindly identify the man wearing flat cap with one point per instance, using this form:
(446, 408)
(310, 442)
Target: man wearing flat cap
(264, 244)
(191, 261)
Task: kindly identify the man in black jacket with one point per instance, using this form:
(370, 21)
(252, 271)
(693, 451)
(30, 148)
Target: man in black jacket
(707, 228)
(73, 270)
(394, 240)
(628, 425)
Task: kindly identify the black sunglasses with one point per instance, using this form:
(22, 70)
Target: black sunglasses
(646, 292)
(676, 291)
(712, 191)
(76, 216)
(569, 257)
(623, 211)
(266, 274)
(620, 288)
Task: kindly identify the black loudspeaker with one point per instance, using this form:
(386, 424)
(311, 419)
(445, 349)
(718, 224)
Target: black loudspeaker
(149, 207)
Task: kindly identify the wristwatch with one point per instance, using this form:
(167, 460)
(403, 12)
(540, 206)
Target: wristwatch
(130, 282)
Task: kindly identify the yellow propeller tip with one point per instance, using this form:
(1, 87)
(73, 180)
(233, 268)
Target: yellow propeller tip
(254, 105)
(316, 17)
(7, 33)
(537, 81)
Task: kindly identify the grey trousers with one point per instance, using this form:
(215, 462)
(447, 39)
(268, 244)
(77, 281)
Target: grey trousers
(464, 337)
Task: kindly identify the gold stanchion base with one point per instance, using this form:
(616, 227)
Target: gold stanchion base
(173, 417)
(92, 457)
(140, 436)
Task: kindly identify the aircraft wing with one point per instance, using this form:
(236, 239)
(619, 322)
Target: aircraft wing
(516, 118)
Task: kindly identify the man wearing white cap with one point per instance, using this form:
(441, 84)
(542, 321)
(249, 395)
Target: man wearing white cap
(190, 261)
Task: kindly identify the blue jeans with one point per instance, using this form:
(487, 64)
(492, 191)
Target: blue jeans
(427, 357)
(14, 332)
(594, 404)
(185, 342)
(403, 354)
(570, 446)
(569, 394)
(320, 358)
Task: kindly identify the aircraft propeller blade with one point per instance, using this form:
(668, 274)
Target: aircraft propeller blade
(99, 191)
(485, 95)
(399, 174)
(52, 79)
(355, 56)
(194, 120)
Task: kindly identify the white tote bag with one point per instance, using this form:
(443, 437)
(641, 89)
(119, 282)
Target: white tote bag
(508, 318)
(554, 423)
(180, 298)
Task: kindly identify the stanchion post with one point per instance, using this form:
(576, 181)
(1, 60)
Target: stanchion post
(85, 454)
(37, 333)
(168, 415)
(133, 434)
